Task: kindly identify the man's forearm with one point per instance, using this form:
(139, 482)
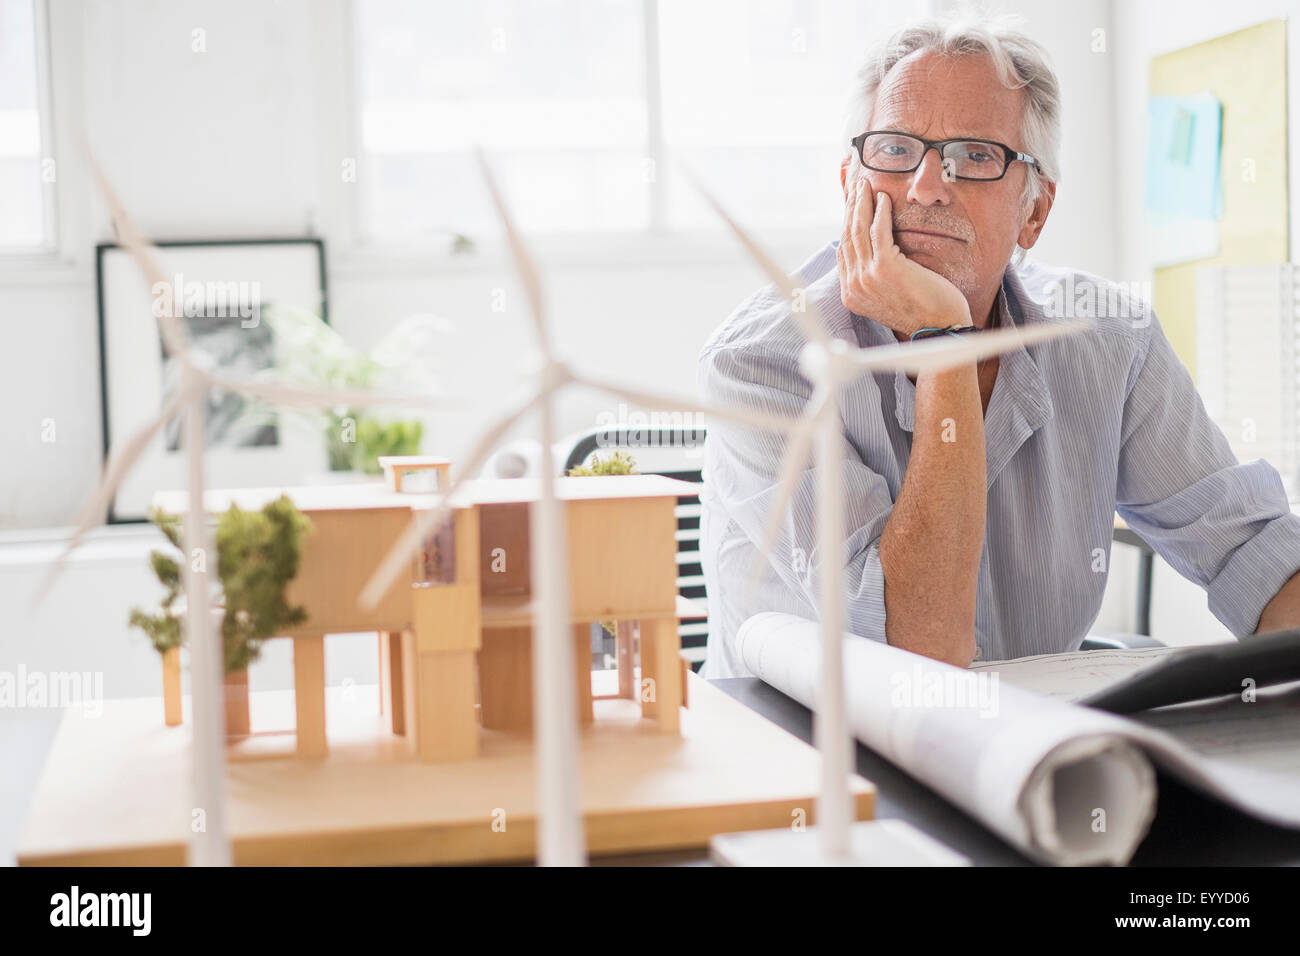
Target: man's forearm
(930, 549)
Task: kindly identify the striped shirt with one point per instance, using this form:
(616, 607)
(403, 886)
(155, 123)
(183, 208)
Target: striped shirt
(1076, 430)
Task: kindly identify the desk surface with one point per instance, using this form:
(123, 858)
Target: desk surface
(1189, 829)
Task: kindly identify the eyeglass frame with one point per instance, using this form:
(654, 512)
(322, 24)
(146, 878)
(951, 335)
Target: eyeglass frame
(1010, 155)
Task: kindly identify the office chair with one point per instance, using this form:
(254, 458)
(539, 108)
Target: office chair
(1146, 565)
(1115, 641)
(1106, 640)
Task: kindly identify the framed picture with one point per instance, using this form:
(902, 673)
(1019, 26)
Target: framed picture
(219, 290)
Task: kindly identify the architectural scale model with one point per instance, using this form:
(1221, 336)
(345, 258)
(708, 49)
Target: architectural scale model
(442, 769)
(455, 636)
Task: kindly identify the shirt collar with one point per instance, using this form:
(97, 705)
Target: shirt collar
(1021, 402)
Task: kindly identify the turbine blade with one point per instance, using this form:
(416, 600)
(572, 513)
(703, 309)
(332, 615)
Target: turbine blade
(283, 393)
(794, 462)
(809, 322)
(524, 264)
(95, 510)
(142, 251)
(950, 351)
(647, 399)
(412, 539)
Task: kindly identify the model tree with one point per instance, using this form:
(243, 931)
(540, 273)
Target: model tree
(164, 628)
(257, 556)
(258, 553)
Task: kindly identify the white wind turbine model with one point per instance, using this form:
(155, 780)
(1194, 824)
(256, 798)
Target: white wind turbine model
(559, 825)
(210, 846)
(832, 364)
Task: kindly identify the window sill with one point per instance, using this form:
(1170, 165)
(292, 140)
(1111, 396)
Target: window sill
(28, 549)
(42, 268)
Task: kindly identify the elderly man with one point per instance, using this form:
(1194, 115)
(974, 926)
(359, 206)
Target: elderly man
(979, 500)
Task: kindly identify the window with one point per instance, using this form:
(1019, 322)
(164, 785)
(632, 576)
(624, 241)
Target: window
(585, 105)
(754, 97)
(26, 174)
(553, 90)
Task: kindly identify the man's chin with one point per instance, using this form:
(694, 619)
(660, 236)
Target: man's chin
(933, 261)
(928, 255)
(956, 273)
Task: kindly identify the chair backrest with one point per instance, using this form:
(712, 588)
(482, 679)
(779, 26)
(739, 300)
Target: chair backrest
(675, 453)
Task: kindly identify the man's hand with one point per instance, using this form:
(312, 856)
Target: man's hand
(878, 281)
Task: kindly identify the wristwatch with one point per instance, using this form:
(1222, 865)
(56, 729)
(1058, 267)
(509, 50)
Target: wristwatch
(931, 332)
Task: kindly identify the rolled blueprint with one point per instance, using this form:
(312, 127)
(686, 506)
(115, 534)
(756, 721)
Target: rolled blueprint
(1064, 784)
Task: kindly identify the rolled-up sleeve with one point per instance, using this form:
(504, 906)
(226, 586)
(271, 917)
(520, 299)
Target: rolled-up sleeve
(743, 468)
(1221, 523)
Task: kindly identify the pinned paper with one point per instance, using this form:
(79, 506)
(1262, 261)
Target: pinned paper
(1184, 184)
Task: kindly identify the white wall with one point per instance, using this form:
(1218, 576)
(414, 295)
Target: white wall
(1081, 228)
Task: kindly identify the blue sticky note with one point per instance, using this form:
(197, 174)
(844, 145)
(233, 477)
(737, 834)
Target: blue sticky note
(1184, 139)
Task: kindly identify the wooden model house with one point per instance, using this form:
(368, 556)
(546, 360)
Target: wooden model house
(455, 636)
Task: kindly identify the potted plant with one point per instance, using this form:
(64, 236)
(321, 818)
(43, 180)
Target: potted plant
(618, 463)
(310, 352)
(258, 554)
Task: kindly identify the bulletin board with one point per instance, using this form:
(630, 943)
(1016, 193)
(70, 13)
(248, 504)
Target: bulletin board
(1246, 71)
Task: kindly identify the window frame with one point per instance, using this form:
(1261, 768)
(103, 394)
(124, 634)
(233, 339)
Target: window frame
(51, 234)
(63, 258)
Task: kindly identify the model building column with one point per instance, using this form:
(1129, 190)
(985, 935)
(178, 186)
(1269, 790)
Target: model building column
(441, 722)
(625, 648)
(392, 687)
(309, 694)
(661, 674)
(440, 655)
(582, 679)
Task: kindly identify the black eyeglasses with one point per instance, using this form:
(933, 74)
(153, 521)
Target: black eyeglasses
(978, 159)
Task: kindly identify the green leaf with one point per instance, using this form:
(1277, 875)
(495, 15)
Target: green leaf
(618, 463)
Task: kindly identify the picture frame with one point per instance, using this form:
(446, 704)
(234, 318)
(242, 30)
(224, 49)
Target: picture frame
(219, 289)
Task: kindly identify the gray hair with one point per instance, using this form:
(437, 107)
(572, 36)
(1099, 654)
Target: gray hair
(1020, 62)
